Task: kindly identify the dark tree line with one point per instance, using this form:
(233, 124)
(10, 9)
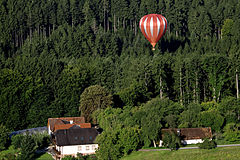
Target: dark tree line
(50, 51)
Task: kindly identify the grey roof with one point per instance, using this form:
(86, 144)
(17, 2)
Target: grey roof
(75, 136)
(30, 131)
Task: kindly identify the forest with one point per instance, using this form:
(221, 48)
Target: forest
(51, 51)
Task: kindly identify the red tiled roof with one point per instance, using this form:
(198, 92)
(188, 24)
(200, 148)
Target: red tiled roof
(62, 126)
(85, 125)
(67, 126)
(60, 122)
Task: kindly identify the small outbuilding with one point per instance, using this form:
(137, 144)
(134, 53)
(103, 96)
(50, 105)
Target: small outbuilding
(189, 135)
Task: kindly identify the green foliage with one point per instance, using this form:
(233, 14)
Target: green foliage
(69, 158)
(4, 137)
(190, 116)
(216, 68)
(207, 144)
(232, 132)
(129, 139)
(80, 157)
(41, 140)
(227, 28)
(209, 105)
(93, 98)
(154, 113)
(211, 118)
(91, 157)
(28, 148)
(171, 140)
(133, 95)
(113, 144)
(16, 141)
(28, 144)
(108, 146)
(230, 109)
(50, 51)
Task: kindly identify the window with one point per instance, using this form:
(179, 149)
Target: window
(82, 138)
(94, 147)
(75, 138)
(90, 138)
(79, 148)
(87, 148)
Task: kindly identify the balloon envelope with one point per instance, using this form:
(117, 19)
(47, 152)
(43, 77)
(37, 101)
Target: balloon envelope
(153, 27)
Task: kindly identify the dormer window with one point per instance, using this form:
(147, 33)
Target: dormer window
(90, 138)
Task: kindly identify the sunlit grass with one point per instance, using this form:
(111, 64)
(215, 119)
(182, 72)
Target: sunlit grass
(45, 156)
(226, 153)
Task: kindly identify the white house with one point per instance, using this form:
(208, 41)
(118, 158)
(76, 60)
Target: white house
(71, 135)
(76, 140)
(189, 135)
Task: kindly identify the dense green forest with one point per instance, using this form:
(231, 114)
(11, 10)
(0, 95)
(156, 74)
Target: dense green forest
(52, 50)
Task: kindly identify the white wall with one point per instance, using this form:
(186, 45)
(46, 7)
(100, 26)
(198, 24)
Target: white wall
(192, 141)
(49, 130)
(74, 149)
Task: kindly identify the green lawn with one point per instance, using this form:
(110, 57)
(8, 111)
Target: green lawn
(226, 153)
(44, 156)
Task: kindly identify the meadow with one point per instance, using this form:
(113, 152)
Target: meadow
(226, 153)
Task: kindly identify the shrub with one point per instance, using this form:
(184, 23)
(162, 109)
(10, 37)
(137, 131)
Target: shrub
(41, 140)
(207, 144)
(9, 156)
(91, 157)
(80, 156)
(28, 148)
(16, 141)
(211, 118)
(232, 132)
(69, 158)
(4, 137)
(171, 140)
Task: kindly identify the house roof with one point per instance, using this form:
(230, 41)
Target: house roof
(60, 122)
(191, 133)
(67, 126)
(75, 136)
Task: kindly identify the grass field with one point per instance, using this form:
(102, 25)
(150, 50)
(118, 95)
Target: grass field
(44, 156)
(226, 153)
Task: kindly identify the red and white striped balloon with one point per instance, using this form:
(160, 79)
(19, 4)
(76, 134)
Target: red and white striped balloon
(153, 27)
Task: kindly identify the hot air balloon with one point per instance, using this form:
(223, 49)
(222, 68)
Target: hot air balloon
(153, 27)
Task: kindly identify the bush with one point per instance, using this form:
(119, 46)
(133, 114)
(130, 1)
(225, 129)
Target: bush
(16, 141)
(80, 157)
(28, 148)
(91, 157)
(4, 137)
(9, 156)
(41, 140)
(232, 132)
(171, 140)
(207, 144)
(69, 158)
